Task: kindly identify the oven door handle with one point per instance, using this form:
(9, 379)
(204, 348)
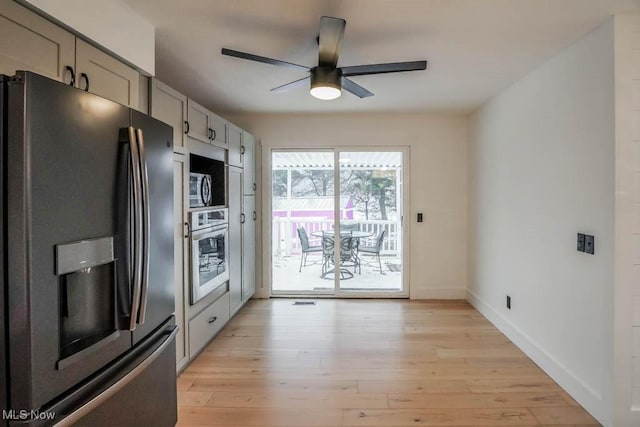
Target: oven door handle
(207, 232)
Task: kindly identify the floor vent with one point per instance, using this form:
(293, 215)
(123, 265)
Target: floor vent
(304, 303)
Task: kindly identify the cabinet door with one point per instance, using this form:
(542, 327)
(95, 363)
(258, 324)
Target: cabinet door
(180, 251)
(235, 238)
(198, 118)
(235, 144)
(170, 107)
(249, 162)
(30, 42)
(99, 73)
(218, 130)
(249, 248)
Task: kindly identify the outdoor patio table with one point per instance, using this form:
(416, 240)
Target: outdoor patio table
(354, 234)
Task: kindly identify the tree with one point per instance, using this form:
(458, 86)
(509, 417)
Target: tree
(366, 186)
(312, 183)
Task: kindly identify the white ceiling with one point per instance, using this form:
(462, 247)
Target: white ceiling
(475, 48)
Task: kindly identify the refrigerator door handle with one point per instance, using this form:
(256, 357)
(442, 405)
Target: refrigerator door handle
(146, 230)
(119, 385)
(137, 227)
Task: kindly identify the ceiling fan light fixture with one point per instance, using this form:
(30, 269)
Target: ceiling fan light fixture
(326, 83)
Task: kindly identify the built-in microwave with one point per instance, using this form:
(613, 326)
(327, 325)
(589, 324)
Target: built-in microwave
(207, 186)
(200, 190)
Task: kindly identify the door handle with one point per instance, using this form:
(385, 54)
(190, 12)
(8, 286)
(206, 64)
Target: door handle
(146, 228)
(188, 233)
(136, 226)
(86, 79)
(72, 72)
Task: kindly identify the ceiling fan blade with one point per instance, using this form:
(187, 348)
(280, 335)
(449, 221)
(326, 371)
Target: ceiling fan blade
(305, 81)
(354, 88)
(330, 39)
(392, 67)
(251, 57)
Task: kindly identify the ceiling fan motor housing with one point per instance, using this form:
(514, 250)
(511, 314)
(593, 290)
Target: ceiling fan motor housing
(326, 76)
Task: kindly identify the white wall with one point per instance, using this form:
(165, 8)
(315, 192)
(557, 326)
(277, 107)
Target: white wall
(627, 270)
(438, 181)
(111, 24)
(542, 170)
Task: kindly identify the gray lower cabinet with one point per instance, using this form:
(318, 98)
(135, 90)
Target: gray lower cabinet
(249, 248)
(236, 218)
(207, 324)
(180, 254)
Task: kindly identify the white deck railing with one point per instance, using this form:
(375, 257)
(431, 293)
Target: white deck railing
(285, 236)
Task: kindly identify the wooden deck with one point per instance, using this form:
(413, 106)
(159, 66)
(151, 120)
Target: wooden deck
(368, 363)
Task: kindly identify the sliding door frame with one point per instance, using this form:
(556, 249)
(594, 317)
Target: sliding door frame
(336, 292)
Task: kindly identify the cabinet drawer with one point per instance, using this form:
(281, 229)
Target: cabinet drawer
(205, 325)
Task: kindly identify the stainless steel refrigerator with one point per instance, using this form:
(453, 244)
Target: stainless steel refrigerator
(87, 334)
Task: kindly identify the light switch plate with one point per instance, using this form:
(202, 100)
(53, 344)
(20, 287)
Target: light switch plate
(590, 244)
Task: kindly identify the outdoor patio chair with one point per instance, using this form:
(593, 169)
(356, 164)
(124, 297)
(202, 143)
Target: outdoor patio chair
(306, 247)
(345, 228)
(375, 249)
(348, 251)
(328, 245)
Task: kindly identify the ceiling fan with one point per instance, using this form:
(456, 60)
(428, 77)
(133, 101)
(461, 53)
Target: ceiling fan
(327, 79)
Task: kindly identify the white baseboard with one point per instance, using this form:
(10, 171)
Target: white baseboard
(589, 398)
(438, 293)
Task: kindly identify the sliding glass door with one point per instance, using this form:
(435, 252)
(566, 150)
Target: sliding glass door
(336, 223)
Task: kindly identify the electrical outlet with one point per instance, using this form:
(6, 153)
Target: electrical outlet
(581, 242)
(589, 244)
(508, 302)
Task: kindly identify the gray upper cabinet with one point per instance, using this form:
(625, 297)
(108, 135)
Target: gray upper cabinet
(99, 73)
(205, 126)
(170, 106)
(218, 130)
(235, 145)
(30, 42)
(249, 163)
(198, 121)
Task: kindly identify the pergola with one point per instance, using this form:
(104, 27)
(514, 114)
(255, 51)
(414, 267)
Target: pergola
(384, 163)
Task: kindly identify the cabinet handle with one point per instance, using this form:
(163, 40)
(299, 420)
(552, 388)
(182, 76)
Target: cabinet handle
(242, 149)
(255, 215)
(213, 134)
(188, 233)
(86, 79)
(72, 72)
(254, 186)
(242, 218)
(212, 319)
(186, 126)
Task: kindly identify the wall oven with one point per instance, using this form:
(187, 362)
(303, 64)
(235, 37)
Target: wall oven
(209, 252)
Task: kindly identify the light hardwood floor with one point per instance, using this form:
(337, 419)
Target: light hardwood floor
(368, 363)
